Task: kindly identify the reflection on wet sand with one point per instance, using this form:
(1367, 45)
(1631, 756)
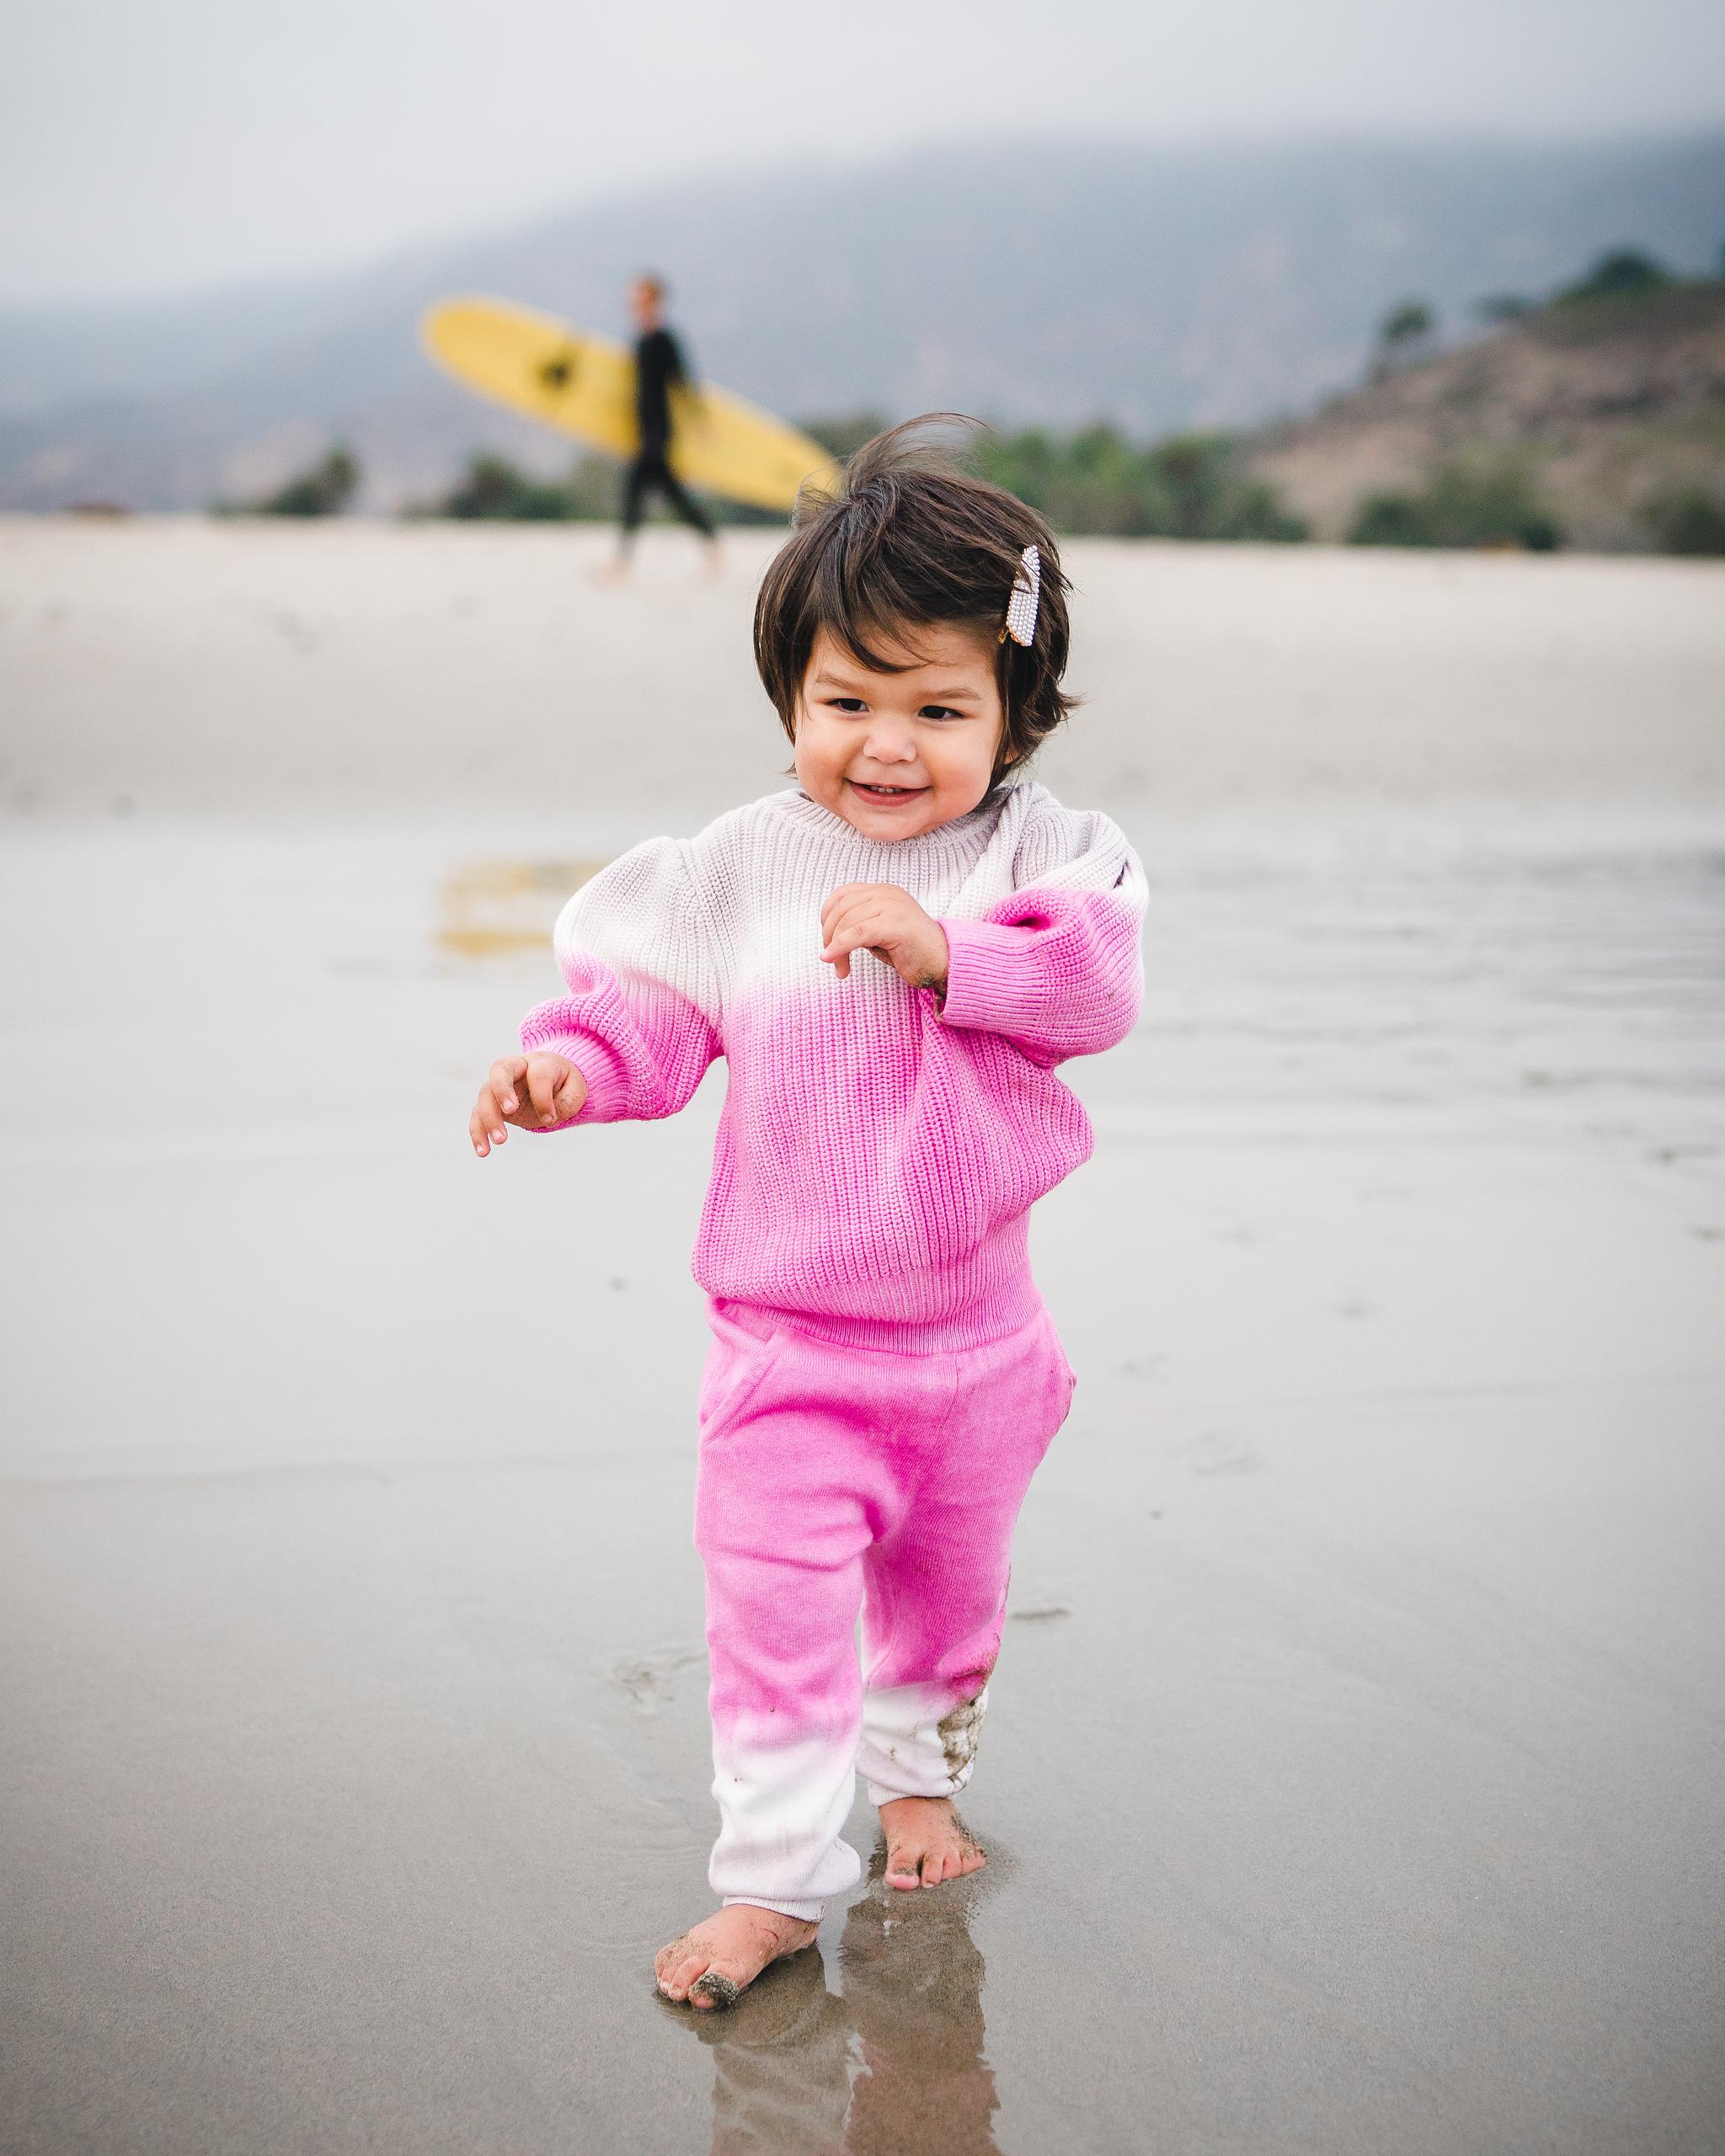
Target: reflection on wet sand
(894, 2066)
(496, 908)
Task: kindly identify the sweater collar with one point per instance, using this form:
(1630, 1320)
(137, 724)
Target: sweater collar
(960, 833)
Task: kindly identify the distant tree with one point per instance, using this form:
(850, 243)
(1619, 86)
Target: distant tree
(1096, 481)
(1256, 512)
(1490, 502)
(492, 489)
(1210, 499)
(1194, 469)
(1391, 520)
(323, 489)
(846, 433)
(1471, 502)
(1503, 306)
(1623, 273)
(1405, 333)
(1687, 520)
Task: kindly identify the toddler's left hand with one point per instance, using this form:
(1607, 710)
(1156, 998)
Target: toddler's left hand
(881, 918)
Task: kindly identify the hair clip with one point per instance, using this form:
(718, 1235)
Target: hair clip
(1026, 594)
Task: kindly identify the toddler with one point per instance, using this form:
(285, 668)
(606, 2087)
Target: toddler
(892, 956)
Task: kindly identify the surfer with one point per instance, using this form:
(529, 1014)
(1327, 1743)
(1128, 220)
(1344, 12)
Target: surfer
(659, 369)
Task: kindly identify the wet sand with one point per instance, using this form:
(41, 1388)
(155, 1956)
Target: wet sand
(1356, 1770)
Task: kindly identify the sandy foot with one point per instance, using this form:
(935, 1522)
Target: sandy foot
(927, 1842)
(709, 1966)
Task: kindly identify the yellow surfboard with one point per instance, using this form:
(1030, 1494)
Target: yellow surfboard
(584, 385)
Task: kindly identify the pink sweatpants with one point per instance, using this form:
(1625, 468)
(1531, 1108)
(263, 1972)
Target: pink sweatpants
(835, 1479)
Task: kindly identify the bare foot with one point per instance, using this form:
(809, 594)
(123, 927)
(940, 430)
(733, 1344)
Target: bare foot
(926, 1841)
(710, 1965)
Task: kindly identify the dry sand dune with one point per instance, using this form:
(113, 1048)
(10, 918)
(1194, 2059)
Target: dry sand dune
(1356, 1774)
(438, 673)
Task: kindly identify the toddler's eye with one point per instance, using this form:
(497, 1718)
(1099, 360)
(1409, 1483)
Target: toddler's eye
(847, 704)
(939, 711)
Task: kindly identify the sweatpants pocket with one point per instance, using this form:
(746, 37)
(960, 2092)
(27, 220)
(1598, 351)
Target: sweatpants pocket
(737, 1365)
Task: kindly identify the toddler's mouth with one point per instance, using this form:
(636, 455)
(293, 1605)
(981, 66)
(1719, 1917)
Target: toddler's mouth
(885, 793)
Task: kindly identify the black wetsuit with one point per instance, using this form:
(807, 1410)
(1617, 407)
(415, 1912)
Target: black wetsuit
(658, 367)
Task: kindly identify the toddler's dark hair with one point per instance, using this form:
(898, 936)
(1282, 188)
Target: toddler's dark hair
(910, 540)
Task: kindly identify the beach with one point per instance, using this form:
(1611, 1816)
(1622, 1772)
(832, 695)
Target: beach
(1354, 1774)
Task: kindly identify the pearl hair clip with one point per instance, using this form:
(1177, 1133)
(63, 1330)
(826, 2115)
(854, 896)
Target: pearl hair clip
(1027, 594)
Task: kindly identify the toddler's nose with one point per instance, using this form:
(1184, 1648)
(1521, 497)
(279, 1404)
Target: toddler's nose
(889, 747)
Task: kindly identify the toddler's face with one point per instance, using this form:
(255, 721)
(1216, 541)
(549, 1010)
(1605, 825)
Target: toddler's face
(899, 753)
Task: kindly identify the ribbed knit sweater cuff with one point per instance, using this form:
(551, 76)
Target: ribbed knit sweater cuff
(986, 975)
(607, 1086)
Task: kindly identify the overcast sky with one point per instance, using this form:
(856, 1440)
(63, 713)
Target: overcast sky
(146, 145)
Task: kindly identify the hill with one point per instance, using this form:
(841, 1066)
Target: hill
(1596, 407)
(1034, 281)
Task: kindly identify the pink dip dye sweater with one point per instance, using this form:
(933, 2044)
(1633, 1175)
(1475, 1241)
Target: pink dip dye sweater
(879, 1149)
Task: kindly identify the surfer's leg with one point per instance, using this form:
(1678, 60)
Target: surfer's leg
(634, 492)
(684, 503)
(660, 476)
(636, 481)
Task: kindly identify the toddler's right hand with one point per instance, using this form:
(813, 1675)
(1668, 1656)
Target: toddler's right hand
(530, 1092)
